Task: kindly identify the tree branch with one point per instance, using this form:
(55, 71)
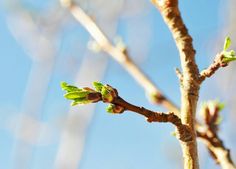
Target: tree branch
(120, 56)
(208, 133)
(220, 153)
(217, 63)
(221, 60)
(117, 105)
(190, 81)
(184, 133)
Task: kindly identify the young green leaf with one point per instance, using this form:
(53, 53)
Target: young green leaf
(227, 43)
(106, 94)
(74, 103)
(110, 108)
(69, 88)
(98, 86)
(63, 85)
(115, 109)
(82, 100)
(229, 57)
(76, 94)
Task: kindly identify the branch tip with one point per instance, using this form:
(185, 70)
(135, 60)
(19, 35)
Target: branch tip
(117, 105)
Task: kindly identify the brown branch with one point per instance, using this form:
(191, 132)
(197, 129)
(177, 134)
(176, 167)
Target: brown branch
(217, 63)
(208, 133)
(118, 105)
(190, 82)
(184, 133)
(220, 153)
(120, 56)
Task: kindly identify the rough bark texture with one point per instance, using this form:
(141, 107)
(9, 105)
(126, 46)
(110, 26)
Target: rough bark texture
(190, 80)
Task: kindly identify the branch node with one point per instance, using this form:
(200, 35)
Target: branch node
(184, 133)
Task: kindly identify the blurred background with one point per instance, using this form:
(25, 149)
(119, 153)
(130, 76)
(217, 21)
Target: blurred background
(41, 44)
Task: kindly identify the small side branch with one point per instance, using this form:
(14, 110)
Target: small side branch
(117, 105)
(221, 60)
(208, 133)
(217, 63)
(217, 149)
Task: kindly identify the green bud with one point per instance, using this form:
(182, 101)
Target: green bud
(115, 109)
(87, 95)
(63, 85)
(76, 94)
(227, 43)
(80, 96)
(69, 88)
(98, 86)
(106, 96)
(109, 108)
(228, 56)
(108, 93)
(82, 100)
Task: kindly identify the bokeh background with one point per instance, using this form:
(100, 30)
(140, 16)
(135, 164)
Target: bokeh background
(41, 44)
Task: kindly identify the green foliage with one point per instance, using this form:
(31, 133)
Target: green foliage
(108, 93)
(114, 109)
(86, 95)
(98, 86)
(80, 95)
(228, 55)
(82, 100)
(69, 88)
(227, 43)
(76, 94)
(110, 108)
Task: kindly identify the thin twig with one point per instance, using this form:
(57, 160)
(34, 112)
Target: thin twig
(190, 86)
(121, 57)
(117, 105)
(217, 63)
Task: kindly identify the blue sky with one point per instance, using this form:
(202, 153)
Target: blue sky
(118, 142)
